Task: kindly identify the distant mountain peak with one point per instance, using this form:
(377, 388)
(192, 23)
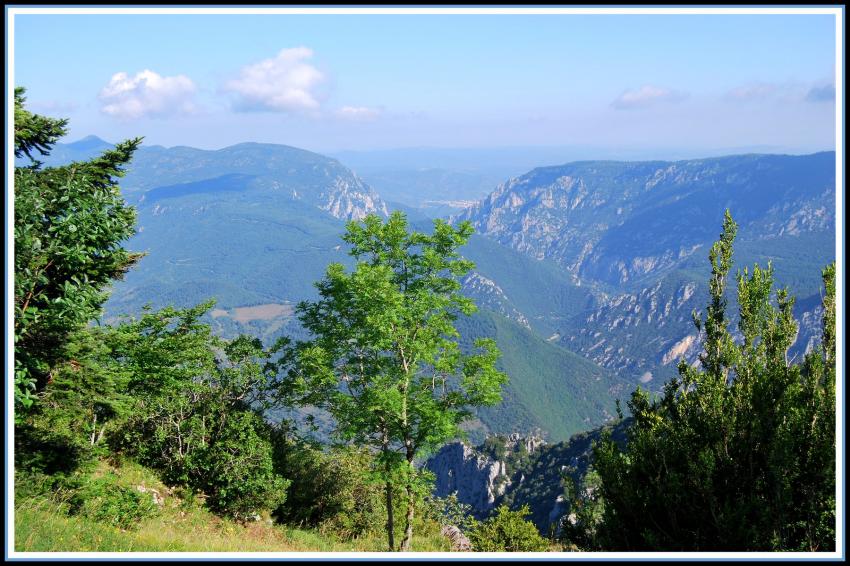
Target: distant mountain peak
(89, 142)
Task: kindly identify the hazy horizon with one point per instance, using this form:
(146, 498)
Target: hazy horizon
(449, 157)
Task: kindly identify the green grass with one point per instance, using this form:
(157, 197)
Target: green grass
(42, 524)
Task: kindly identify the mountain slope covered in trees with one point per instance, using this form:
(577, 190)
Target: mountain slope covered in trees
(258, 250)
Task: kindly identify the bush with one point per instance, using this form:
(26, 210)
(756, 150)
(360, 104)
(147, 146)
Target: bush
(40, 450)
(237, 471)
(230, 460)
(507, 531)
(105, 500)
(195, 414)
(332, 491)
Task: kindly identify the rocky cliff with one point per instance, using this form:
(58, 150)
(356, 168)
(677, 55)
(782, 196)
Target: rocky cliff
(637, 235)
(617, 222)
(477, 477)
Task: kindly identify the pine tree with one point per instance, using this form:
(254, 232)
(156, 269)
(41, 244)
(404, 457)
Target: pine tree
(739, 452)
(70, 222)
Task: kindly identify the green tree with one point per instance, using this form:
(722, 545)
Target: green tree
(70, 222)
(579, 528)
(331, 490)
(196, 408)
(385, 358)
(507, 531)
(738, 453)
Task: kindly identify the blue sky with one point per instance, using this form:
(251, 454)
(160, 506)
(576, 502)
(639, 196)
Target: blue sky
(337, 82)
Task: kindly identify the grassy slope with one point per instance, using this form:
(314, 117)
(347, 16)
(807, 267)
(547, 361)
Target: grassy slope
(43, 525)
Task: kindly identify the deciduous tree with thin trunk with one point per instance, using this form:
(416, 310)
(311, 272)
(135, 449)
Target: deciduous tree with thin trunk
(385, 358)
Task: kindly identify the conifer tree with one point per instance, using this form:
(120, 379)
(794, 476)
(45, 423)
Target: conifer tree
(739, 452)
(70, 222)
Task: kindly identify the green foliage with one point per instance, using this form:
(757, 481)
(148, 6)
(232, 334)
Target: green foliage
(69, 225)
(87, 398)
(385, 359)
(237, 470)
(335, 492)
(34, 132)
(332, 491)
(579, 529)
(507, 531)
(738, 454)
(106, 500)
(449, 511)
(192, 415)
(495, 447)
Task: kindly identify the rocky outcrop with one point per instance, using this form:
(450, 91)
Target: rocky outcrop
(477, 479)
(352, 199)
(458, 540)
(458, 468)
(488, 294)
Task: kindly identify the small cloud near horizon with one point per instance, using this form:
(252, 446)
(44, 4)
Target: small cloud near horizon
(147, 94)
(284, 83)
(358, 113)
(646, 96)
(790, 91)
(821, 94)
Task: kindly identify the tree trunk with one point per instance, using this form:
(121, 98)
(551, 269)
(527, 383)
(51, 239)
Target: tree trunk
(408, 527)
(93, 429)
(411, 502)
(390, 522)
(385, 447)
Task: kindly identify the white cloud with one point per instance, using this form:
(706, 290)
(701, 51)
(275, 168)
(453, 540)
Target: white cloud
(786, 92)
(647, 95)
(824, 93)
(358, 113)
(285, 83)
(754, 91)
(147, 94)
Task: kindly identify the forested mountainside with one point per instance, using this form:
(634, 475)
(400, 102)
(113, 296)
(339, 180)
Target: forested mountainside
(637, 234)
(287, 173)
(232, 223)
(258, 247)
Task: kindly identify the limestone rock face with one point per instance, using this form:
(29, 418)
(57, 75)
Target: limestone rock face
(458, 468)
(478, 480)
(458, 539)
(349, 198)
(617, 222)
